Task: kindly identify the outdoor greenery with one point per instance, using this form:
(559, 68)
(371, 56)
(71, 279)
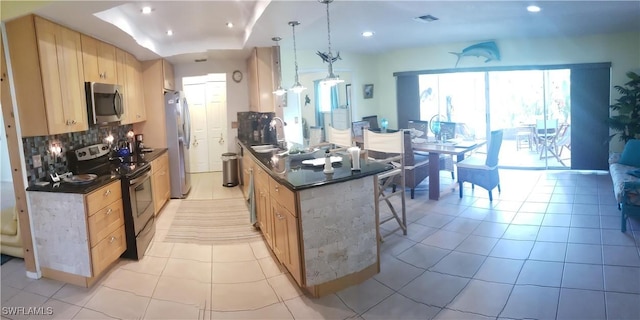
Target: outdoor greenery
(626, 118)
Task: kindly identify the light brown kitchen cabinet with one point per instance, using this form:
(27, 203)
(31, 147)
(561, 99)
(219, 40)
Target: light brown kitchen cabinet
(99, 61)
(167, 73)
(89, 237)
(263, 76)
(48, 74)
(263, 204)
(160, 182)
(286, 243)
(134, 93)
(154, 73)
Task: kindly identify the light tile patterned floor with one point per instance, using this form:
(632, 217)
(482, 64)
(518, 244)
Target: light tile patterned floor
(549, 246)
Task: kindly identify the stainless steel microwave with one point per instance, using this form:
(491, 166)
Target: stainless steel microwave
(104, 102)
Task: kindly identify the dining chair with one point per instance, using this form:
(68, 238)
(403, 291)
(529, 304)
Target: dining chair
(390, 148)
(373, 121)
(546, 131)
(340, 138)
(421, 126)
(416, 165)
(482, 170)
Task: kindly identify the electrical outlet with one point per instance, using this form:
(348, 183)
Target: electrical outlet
(37, 161)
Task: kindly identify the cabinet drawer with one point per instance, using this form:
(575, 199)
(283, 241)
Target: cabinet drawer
(108, 250)
(103, 196)
(160, 163)
(105, 221)
(283, 195)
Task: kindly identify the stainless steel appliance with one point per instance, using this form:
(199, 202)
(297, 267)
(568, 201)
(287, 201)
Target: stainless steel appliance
(137, 195)
(178, 139)
(139, 222)
(104, 102)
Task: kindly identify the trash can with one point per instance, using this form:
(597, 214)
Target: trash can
(229, 169)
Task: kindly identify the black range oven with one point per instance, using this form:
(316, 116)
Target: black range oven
(137, 195)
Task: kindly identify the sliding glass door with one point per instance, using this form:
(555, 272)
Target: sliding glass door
(532, 106)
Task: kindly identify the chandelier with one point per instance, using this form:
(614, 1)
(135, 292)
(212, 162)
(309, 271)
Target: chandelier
(297, 87)
(331, 78)
(280, 90)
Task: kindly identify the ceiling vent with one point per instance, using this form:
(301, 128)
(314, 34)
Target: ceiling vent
(425, 18)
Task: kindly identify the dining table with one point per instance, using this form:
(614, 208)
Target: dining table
(435, 149)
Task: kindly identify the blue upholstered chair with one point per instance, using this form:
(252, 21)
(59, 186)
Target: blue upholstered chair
(481, 170)
(630, 204)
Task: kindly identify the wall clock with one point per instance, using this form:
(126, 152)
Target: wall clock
(237, 76)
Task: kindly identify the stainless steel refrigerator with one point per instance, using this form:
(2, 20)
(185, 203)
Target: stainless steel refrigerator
(178, 141)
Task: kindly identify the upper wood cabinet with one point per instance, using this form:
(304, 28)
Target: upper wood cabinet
(134, 90)
(154, 75)
(167, 73)
(46, 60)
(263, 76)
(99, 61)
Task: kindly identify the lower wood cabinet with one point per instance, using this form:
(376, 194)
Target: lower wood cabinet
(78, 236)
(276, 214)
(160, 182)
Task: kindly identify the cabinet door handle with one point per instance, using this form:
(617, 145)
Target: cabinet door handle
(109, 211)
(73, 122)
(112, 239)
(108, 192)
(277, 189)
(280, 217)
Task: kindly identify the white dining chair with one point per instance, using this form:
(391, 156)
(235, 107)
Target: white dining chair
(389, 148)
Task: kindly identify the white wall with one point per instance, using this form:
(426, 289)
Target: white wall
(622, 50)
(237, 93)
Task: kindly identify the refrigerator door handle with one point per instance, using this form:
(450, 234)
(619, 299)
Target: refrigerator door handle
(187, 123)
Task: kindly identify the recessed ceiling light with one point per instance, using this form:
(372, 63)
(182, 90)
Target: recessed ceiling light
(169, 32)
(229, 25)
(533, 8)
(146, 10)
(367, 34)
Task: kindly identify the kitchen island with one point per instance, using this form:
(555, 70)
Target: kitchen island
(321, 227)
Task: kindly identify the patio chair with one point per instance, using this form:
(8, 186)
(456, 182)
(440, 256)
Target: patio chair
(545, 133)
(416, 165)
(390, 148)
(481, 170)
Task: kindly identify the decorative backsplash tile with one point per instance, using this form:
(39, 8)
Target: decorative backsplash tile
(68, 141)
(254, 126)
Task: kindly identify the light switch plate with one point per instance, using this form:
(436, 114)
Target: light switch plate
(37, 161)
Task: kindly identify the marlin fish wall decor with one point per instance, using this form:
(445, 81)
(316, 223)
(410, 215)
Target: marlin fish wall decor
(487, 50)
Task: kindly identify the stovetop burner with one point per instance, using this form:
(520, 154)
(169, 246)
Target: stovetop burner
(96, 159)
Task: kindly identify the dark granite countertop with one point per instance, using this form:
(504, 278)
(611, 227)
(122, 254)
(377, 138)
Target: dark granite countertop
(100, 181)
(297, 176)
(65, 187)
(150, 156)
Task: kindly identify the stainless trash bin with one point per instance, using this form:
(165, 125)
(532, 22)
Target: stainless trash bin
(229, 169)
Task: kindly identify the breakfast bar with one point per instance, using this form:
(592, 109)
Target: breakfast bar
(321, 227)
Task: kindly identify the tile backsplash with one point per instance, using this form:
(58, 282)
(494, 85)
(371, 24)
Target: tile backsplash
(67, 141)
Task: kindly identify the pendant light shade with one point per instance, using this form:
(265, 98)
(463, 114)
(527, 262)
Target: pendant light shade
(297, 87)
(331, 78)
(279, 90)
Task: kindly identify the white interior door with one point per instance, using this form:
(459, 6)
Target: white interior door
(216, 99)
(198, 151)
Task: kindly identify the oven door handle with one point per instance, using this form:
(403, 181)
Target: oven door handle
(139, 179)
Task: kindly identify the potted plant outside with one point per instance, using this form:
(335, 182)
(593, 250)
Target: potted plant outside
(626, 120)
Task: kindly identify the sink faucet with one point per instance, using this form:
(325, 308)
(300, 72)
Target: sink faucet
(281, 142)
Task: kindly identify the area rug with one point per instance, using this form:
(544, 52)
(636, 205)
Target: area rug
(212, 222)
(5, 258)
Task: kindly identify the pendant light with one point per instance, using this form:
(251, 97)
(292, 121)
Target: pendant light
(331, 78)
(280, 90)
(297, 87)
